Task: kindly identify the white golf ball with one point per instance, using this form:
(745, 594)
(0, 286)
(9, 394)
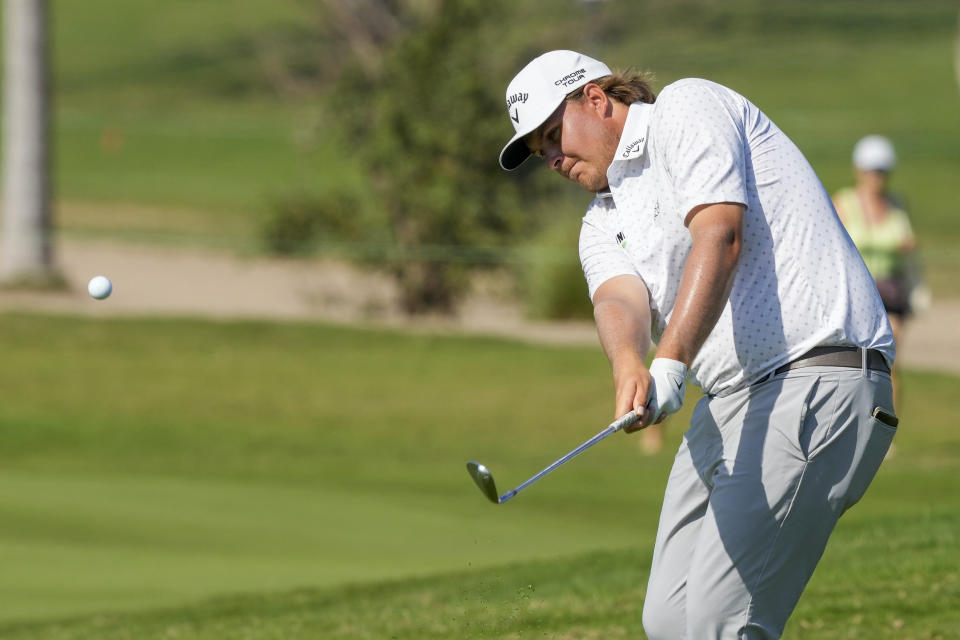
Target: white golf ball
(100, 287)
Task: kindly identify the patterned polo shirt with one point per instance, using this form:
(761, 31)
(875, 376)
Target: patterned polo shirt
(800, 282)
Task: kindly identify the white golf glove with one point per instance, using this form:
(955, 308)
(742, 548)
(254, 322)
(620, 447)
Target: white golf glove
(666, 392)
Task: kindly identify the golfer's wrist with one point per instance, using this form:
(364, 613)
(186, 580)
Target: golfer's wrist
(669, 364)
(673, 345)
(626, 358)
(668, 350)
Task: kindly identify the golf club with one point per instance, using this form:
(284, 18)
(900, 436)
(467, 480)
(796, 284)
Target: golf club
(484, 479)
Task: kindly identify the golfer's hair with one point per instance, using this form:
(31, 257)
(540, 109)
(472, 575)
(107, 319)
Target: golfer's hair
(623, 86)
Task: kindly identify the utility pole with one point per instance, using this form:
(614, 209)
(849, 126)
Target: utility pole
(26, 255)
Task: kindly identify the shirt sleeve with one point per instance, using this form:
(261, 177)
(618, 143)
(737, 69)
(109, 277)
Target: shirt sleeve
(601, 256)
(701, 143)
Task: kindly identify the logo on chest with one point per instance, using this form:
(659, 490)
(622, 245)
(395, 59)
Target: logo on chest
(621, 240)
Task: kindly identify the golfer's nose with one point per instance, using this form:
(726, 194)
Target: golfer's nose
(554, 159)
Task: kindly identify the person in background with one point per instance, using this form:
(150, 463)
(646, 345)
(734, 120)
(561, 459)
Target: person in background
(878, 224)
(651, 439)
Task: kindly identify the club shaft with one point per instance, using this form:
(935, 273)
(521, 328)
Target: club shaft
(621, 422)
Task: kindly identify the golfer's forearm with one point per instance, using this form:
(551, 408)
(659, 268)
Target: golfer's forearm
(624, 329)
(704, 290)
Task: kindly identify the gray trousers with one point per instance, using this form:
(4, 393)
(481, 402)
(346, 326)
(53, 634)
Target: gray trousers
(756, 488)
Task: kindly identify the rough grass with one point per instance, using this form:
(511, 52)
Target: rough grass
(858, 592)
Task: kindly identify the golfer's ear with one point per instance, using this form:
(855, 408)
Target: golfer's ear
(596, 98)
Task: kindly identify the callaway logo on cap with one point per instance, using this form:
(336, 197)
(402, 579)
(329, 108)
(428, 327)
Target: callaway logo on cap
(536, 92)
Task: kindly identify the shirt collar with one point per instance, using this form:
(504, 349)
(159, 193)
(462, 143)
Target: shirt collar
(633, 140)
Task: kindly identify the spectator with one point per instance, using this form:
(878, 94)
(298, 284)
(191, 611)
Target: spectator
(877, 222)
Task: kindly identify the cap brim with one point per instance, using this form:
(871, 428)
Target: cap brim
(514, 153)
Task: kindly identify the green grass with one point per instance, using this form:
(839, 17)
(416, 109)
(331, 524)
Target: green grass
(177, 478)
(169, 104)
(591, 595)
(275, 456)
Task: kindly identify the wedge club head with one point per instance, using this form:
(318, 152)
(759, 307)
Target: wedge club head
(484, 479)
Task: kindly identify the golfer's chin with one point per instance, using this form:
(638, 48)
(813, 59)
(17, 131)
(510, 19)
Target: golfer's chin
(589, 179)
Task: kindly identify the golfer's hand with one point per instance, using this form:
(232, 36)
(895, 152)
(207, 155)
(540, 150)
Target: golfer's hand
(666, 392)
(632, 384)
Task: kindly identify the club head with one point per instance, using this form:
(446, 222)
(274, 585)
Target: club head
(484, 479)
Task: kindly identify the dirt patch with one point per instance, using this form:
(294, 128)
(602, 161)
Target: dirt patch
(188, 282)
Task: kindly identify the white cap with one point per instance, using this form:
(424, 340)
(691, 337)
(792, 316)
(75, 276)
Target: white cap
(874, 153)
(536, 92)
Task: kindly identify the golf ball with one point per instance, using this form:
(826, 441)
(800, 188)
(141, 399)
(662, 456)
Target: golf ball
(100, 287)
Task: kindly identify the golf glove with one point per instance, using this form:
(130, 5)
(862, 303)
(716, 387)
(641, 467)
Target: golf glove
(666, 392)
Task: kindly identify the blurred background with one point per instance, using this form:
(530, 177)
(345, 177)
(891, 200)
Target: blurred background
(301, 211)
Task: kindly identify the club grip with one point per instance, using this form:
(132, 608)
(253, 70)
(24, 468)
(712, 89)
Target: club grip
(625, 420)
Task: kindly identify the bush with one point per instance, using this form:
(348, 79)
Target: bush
(427, 124)
(299, 224)
(291, 226)
(553, 283)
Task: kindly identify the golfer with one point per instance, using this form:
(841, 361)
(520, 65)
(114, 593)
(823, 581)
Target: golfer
(711, 235)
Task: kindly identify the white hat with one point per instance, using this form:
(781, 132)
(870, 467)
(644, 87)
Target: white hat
(874, 153)
(536, 92)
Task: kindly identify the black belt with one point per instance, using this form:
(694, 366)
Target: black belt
(837, 357)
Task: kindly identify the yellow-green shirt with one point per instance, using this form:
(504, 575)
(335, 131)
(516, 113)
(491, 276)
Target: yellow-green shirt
(879, 244)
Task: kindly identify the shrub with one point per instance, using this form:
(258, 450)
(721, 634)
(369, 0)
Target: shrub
(553, 283)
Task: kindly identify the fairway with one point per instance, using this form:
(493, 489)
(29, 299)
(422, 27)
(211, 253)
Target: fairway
(153, 462)
(224, 476)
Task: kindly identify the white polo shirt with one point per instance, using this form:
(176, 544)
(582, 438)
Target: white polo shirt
(800, 282)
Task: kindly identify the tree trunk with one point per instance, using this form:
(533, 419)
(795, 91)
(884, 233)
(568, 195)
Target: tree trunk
(26, 252)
